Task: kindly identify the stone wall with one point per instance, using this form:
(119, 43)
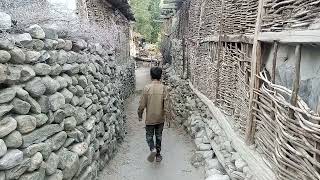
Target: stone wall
(214, 149)
(88, 19)
(61, 106)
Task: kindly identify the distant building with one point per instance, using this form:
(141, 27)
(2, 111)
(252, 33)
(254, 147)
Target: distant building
(104, 21)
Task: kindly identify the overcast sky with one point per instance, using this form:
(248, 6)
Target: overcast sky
(69, 4)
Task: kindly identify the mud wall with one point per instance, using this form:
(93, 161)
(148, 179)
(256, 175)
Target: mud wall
(310, 82)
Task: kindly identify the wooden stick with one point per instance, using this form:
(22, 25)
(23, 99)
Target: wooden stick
(296, 83)
(255, 69)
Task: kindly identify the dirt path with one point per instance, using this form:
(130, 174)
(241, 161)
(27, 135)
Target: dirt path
(130, 162)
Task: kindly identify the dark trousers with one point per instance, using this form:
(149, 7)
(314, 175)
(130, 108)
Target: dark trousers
(151, 131)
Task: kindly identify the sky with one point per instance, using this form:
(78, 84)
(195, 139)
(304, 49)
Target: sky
(69, 4)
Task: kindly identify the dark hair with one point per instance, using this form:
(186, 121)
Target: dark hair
(156, 73)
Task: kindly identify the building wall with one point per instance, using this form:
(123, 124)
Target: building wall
(220, 40)
(62, 106)
(102, 13)
(93, 20)
(309, 71)
(62, 88)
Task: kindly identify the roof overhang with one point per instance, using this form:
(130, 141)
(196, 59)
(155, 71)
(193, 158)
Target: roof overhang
(169, 7)
(124, 7)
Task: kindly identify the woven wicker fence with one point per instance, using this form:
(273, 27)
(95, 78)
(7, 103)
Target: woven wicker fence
(287, 134)
(290, 14)
(240, 16)
(228, 87)
(291, 144)
(204, 72)
(210, 18)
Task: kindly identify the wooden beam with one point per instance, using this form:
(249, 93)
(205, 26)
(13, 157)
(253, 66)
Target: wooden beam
(145, 59)
(254, 83)
(296, 82)
(229, 38)
(292, 37)
(123, 7)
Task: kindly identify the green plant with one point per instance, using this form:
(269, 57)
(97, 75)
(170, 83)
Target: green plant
(146, 12)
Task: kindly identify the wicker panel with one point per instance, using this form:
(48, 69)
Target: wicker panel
(233, 89)
(291, 144)
(194, 17)
(240, 16)
(241, 100)
(290, 14)
(205, 71)
(234, 83)
(227, 80)
(211, 17)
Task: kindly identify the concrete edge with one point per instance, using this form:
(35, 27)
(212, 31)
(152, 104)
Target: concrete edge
(254, 160)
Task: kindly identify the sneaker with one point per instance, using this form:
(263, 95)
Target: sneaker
(152, 155)
(158, 158)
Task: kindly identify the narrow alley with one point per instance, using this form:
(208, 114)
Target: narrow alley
(241, 89)
(130, 162)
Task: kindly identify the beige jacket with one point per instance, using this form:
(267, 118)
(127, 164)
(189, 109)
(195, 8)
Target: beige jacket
(152, 100)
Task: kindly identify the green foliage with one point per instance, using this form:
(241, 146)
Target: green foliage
(146, 11)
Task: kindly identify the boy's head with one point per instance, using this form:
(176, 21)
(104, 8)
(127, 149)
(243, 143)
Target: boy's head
(156, 73)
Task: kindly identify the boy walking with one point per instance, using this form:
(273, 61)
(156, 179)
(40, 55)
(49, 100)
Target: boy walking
(152, 100)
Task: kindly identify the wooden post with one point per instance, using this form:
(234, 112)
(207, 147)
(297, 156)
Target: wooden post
(187, 49)
(254, 83)
(273, 75)
(184, 27)
(184, 64)
(317, 146)
(83, 10)
(296, 82)
(274, 61)
(202, 6)
(219, 52)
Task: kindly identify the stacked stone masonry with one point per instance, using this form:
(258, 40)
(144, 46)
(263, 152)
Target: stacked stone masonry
(61, 106)
(214, 150)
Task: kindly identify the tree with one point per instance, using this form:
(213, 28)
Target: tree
(146, 11)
